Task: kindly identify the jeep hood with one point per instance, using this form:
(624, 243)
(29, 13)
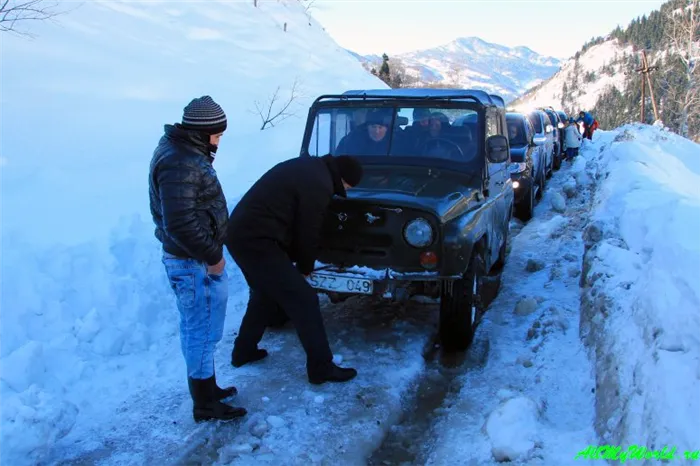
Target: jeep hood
(445, 193)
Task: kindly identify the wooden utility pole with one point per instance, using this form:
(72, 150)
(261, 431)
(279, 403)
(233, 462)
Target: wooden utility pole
(644, 73)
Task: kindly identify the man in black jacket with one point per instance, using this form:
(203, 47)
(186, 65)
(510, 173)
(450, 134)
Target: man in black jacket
(190, 213)
(277, 223)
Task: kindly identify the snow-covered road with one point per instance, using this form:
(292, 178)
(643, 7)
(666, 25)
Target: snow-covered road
(524, 392)
(533, 401)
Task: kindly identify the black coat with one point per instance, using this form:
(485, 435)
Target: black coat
(287, 206)
(187, 203)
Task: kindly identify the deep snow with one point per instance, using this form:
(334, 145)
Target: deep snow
(641, 301)
(89, 326)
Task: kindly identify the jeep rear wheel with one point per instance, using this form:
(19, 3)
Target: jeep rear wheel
(461, 308)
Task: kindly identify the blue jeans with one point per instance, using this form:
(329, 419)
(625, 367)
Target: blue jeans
(201, 300)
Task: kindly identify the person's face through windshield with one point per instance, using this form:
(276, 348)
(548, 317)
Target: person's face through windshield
(513, 131)
(421, 117)
(377, 131)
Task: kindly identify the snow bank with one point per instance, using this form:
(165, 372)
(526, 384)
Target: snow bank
(641, 288)
(87, 316)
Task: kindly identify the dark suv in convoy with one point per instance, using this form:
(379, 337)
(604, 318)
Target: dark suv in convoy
(544, 135)
(431, 215)
(527, 168)
(558, 132)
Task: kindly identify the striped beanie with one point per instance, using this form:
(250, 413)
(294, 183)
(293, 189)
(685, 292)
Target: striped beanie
(204, 115)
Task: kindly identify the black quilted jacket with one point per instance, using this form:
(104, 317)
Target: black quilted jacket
(187, 203)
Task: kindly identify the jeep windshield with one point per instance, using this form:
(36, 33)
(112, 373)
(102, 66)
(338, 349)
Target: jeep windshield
(447, 133)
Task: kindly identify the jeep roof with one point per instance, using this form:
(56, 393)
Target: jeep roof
(425, 94)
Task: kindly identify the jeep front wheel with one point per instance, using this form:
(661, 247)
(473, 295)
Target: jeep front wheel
(461, 307)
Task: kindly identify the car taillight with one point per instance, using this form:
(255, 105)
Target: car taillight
(428, 260)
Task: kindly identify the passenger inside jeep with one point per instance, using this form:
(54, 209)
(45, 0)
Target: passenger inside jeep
(516, 136)
(370, 138)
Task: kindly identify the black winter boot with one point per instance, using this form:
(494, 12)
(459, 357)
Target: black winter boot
(240, 358)
(205, 405)
(319, 374)
(223, 393)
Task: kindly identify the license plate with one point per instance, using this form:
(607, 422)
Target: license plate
(340, 283)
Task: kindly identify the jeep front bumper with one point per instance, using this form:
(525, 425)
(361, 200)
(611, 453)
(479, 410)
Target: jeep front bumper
(366, 280)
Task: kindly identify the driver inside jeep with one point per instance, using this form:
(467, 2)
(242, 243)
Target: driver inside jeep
(371, 138)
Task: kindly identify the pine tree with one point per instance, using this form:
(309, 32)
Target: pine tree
(384, 70)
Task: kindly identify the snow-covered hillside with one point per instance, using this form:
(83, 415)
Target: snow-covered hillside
(88, 319)
(584, 79)
(470, 62)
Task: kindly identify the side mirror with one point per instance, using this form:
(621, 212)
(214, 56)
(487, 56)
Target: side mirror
(497, 150)
(537, 141)
(549, 128)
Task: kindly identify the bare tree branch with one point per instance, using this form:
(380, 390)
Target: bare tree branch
(269, 115)
(308, 4)
(13, 12)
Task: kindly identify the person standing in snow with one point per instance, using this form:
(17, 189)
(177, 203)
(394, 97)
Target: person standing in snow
(572, 139)
(278, 223)
(190, 214)
(590, 124)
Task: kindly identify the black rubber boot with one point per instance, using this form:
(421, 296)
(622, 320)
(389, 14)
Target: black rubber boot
(223, 393)
(330, 373)
(240, 358)
(205, 405)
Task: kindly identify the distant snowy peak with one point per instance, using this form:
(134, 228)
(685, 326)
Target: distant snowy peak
(580, 81)
(473, 62)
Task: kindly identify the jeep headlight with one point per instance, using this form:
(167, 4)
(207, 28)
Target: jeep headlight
(418, 233)
(518, 167)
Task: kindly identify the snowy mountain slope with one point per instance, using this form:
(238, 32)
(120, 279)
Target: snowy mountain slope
(584, 91)
(88, 320)
(474, 63)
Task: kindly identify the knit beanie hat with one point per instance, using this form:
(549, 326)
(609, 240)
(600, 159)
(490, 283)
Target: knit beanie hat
(349, 169)
(204, 115)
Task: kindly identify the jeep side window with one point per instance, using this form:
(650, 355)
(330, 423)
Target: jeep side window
(320, 144)
(530, 130)
(491, 125)
(536, 121)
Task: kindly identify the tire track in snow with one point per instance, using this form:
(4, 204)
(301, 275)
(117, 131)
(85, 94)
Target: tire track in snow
(525, 389)
(533, 402)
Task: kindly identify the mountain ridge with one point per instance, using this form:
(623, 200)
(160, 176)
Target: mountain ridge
(470, 61)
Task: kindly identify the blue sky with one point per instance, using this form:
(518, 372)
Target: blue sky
(551, 27)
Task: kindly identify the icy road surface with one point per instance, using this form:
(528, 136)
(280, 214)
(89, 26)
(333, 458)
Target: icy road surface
(524, 393)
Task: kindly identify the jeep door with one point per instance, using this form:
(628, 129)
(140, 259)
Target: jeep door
(547, 124)
(499, 186)
(538, 127)
(534, 152)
